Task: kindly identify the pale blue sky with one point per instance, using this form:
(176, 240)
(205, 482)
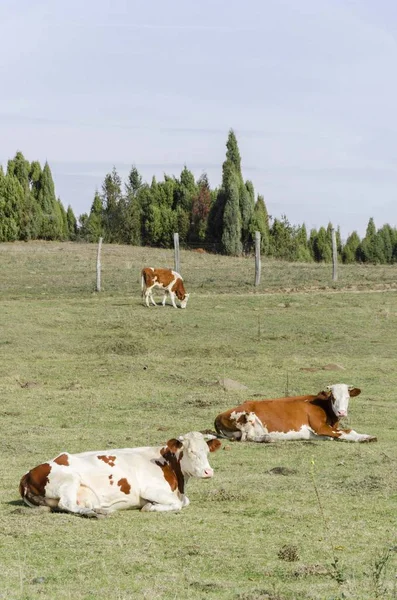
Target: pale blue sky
(309, 88)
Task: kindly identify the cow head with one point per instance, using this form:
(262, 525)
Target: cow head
(184, 300)
(192, 450)
(180, 292)
(340, 394)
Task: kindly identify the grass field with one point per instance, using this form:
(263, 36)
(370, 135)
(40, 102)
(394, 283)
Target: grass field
(81, 370)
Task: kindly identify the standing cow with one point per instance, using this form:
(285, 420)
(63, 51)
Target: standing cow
(100, 482)
(294, 418)
(170, 282)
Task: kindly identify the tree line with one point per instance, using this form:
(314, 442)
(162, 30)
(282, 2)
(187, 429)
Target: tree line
(222, 220)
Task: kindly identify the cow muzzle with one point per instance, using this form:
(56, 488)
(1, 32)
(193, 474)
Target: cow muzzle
(342, 413)
(208, 473)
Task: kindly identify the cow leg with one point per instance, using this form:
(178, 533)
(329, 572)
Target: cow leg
(320, 428)
(149, 296)
(349, 435)
(172, 296)
(68, 498)
(152, 299)
(161, 501)
(164, 299)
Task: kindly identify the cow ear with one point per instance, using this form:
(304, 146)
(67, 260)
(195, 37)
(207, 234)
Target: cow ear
(214, 445)
(323, 395)
(354, 392)
(174, 445)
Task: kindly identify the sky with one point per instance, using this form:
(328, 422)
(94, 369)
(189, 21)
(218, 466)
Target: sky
(309, 88)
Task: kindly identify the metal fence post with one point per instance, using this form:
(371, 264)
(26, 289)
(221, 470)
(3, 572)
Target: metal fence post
(257, 257)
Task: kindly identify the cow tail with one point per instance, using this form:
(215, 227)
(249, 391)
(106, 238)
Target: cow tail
(142, 282)
(221, 434)
(30, 499)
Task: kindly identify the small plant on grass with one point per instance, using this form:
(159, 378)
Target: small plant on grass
(379, 573)
(336, 570)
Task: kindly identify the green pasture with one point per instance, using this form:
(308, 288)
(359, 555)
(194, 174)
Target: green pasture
(82, 370)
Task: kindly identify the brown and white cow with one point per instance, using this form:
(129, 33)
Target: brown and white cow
(170, 282)
(294, 418)
(100, 482)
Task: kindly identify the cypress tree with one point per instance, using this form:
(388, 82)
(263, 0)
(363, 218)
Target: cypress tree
(247, 207)
(19, 168)
(112, 218)
(226, 216)
(231, 234)
(71, 224)
(349, 253)
(63, 217)
(233, 153)
(29, 212)
(201, 205)
(92, 227)
(134, 182)
(34, 178)
(52, 226)
(283, 239)
(371, 249)
(260, 223)
(11, 199)
(321, 246)
(131, 218)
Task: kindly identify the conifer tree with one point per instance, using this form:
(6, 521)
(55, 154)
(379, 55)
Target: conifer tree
(63, 216)
(321, 246)
(260, 222)
(231, 234)
(29, 212)
(52, 226)
(233, 193)
(134, 182)
(201, 205)
(92, 228)
(131, 218)
(371, 247)
(111, 196)
(71, 224)
(233, 153)
(19, 168)
(349, 253)
(34, 177)
(11, 198)
(247, 207)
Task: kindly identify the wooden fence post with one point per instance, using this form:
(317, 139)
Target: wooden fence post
(257, 257)
(176, 252)
(334, 256)
(98, 266)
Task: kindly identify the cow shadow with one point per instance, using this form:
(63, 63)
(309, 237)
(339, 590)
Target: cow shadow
(15, 503)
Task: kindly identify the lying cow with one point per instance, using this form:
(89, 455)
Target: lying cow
(97, 483)
(294, 418)
(170, 282)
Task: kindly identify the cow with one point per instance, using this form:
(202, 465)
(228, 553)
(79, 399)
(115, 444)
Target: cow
(293, 418)
(97, 483)
(167, 280)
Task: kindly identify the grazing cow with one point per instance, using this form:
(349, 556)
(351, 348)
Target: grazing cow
(167, 280)
(294, 418)
(98, 483)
